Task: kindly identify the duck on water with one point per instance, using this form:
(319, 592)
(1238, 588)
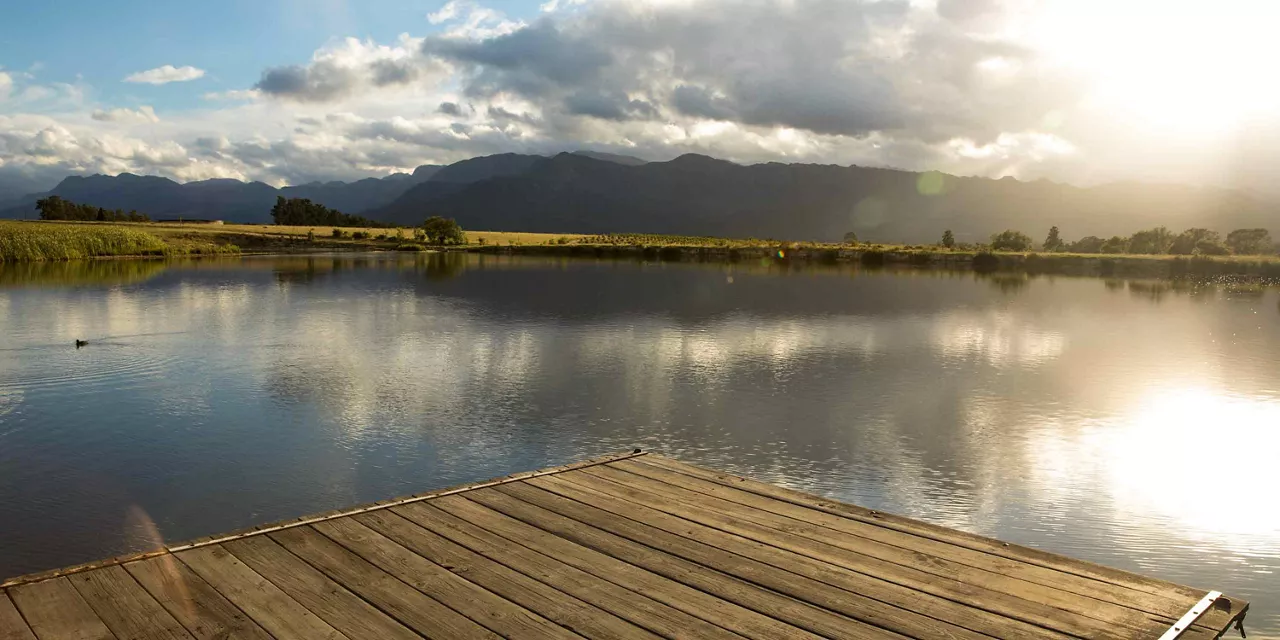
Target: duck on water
(81, 343)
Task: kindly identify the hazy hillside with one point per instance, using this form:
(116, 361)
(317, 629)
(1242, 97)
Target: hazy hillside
(449, 180)
(587, 192)
(698, 195)
(221, 199)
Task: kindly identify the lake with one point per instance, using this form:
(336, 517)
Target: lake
(1135, 424)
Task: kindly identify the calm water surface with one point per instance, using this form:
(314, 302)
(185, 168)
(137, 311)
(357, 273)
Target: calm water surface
(1132, 424)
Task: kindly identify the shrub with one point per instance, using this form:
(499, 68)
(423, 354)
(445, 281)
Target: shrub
(1114, 244)
(1010, 240)
(1087, 244)
(409, 246)
(1207, 248)
(440, 230)
(1185, 243)
(337, 233)
(1151, 241)
(360, 235)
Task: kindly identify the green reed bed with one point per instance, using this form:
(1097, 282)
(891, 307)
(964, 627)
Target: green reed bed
(35, 242)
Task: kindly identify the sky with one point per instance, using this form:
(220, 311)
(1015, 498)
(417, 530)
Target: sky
(290, 91)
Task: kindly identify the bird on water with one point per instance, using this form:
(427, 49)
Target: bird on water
(81, 343)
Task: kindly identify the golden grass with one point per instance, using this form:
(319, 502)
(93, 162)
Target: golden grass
(45, 241)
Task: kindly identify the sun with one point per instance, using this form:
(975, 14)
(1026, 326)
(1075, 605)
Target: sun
(1172, 66)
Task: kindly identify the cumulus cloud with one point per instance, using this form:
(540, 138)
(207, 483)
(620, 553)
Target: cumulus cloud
(142, 114)
(166, 74)
(915, 85)
(828, 67)
(339, 71)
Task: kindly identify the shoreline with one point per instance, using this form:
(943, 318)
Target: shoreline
(265, 240)
(1089, 265)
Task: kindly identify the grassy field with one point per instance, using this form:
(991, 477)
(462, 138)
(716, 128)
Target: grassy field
(46, 241)
(37, 242)
(502, 238)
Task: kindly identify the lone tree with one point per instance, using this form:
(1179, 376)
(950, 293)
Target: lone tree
(1010, 240)
(443, 231)
(851, 238)
(1053, 242)
(1250, 242)
(948, 239)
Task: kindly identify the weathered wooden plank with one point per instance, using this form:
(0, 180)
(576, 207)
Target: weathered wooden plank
(565, 499)
(557, 606)
(764, 511)
(12, 626)
(908, 608)
(55, 611)
(204, 612)
(493, 612)
(1162, 599)
(607, 596)
(619, 547)
(399, 600)
(269, 606)
(865, 556)
(329, 600)
(701, 603)
(126, 608)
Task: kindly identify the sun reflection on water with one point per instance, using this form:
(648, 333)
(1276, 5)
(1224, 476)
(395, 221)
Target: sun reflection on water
(1164, 458)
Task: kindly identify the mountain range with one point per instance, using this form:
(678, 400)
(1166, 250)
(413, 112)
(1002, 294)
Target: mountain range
(587, 192)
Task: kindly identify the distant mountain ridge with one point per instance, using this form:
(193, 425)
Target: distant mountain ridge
(588, 192)
(699, 195)
(218, 199)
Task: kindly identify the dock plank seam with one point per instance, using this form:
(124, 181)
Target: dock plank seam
(1174, 595)
(774, 606)
(973, 596)
(886, 600)
(473, 590)
(760, 621)
(877, 551)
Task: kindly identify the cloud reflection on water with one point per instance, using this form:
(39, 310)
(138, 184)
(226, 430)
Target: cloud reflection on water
(1051, 412)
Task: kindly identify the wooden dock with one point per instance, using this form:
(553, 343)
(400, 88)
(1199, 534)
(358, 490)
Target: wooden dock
(627, 546)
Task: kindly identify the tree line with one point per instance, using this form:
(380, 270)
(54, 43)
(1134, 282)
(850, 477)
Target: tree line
(301, 212)
(1155, 241)
(57, 208)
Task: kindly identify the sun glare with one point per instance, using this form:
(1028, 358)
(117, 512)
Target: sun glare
(1197, 456)
(1167, 65)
